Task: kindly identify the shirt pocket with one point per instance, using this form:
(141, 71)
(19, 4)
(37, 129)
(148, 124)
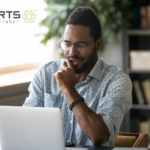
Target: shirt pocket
(52, 100)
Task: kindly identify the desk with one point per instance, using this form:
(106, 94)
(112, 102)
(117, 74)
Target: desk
(94, 148)
(109, 148)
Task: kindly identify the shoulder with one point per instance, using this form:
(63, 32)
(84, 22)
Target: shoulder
(47, 70)
(112, 70)
(115, 75)
(52, 66)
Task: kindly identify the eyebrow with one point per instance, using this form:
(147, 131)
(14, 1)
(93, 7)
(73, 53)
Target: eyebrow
(76, 42)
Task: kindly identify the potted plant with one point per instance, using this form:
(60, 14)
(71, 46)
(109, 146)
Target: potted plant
(114, 16)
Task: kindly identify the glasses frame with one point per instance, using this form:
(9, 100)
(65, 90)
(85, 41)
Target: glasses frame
(87, 44)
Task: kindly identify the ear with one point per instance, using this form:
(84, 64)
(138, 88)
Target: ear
(99, 43)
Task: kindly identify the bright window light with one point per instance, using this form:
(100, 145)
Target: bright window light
(18, 45)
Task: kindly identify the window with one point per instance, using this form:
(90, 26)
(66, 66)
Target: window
(18, 45)
(19, 48)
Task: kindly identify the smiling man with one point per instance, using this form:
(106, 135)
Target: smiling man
(92, 95)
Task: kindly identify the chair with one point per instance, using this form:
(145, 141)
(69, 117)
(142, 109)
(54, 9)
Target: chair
(131, 140)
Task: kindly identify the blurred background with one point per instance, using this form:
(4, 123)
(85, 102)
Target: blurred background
(31, 40)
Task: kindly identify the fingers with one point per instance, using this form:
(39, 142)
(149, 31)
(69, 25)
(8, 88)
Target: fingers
(69, 63)
(63, 67)
(57, 73)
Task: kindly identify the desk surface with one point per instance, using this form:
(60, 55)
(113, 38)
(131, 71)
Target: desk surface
(94, 148)
(108, 148)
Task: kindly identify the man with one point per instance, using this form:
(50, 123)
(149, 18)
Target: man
(94, 119)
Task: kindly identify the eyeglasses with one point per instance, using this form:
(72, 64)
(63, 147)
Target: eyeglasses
(79, 45)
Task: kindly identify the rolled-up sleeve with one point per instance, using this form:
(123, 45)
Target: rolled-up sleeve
(116, 101)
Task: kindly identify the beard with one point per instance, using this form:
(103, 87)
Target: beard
(86, 64)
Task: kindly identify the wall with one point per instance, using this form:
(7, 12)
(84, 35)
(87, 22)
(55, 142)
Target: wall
(112, 54)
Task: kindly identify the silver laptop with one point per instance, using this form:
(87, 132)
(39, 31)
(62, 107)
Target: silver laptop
(31, 128)
(128, 148)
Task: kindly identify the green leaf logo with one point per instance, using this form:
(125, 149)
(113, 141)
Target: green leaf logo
(29, 16)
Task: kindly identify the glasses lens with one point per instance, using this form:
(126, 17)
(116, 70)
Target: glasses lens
(80, 46)
(66, 45)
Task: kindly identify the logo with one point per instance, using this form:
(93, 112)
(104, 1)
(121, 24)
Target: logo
(29, 16)
(11, 17)
(3, 14)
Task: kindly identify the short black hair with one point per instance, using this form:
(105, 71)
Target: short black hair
(86, 16)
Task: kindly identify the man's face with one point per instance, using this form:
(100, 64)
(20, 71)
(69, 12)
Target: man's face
(82, 59)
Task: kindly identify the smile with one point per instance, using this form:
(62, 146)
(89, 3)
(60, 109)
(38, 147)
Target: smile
(75, 62)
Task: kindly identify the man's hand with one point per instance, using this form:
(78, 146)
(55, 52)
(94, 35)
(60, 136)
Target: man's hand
(66, 77)
(90, 123)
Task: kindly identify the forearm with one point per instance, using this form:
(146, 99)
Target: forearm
(90, 123)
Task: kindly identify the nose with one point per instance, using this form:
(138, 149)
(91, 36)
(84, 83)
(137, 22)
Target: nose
(73, 51)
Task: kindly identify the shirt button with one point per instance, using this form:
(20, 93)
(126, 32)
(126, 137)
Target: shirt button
(70, 121)
(68, 141)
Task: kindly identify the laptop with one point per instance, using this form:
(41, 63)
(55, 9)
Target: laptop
(128, 148)
(31, 128)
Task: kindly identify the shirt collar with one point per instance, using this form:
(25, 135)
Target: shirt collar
(96, 72)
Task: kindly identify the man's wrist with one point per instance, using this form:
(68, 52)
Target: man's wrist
(69, 90)
(71, 94)
(80, 99)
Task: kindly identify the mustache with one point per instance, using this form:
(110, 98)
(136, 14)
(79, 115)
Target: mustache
(72, 57)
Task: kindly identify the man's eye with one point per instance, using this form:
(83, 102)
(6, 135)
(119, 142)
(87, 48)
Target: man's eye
(67, 44)
(81, 45)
